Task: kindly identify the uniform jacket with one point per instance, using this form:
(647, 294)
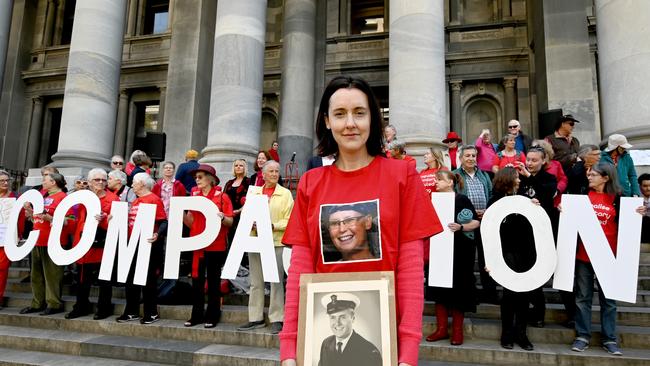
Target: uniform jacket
(357, 352)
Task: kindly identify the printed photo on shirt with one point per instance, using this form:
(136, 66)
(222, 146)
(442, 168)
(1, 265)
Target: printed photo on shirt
(350, 232)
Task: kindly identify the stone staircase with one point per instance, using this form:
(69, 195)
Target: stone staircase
(52, 340)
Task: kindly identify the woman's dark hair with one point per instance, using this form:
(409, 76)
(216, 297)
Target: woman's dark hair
(504, 181)
(268, 157)
(58, 179)
(608, 170)
(326, 143)
(454, 177)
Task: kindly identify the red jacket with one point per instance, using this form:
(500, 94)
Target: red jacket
(179, 188)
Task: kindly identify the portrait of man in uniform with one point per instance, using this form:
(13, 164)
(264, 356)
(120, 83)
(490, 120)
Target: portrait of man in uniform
(345, 347)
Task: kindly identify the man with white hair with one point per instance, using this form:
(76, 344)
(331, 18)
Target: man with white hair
(117, 184)
(89, 264)
(522, 141)
(117, 163)
(142, 185)
(345, 346)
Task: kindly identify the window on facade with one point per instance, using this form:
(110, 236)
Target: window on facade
(478, 11)
(156, 16)
(68, 19)
(146, 118)
(367, 16)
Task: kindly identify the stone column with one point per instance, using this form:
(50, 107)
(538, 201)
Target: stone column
(456, 120)
(509, 84)
(417, 73)
(297, 97)
(49, 23)
(170, 14)
(161, 105)
(237, 81)
(35, 130)
(121, 125)
(91, 89)
(132, 16)
(6, 10)
(130, 132)
(624, 61)
(58, 23)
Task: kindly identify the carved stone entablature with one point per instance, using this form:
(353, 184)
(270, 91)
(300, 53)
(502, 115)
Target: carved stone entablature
(144, 78)
(357, 50)
(146, 47)
(48, 87)
(271, 102)
(272, 85)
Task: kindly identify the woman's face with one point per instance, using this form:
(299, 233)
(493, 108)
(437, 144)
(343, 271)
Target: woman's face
(596, 181)
(271, 174)
(348, 117)
(534, 161)
(138, 188)
(444, 184)
(428, 157)
(48, 183)
(4, 183)
(510, 143)
(261, 160)
(168, 171)
(239, 168)
(348, 230)
(202, 180)
(98, 183)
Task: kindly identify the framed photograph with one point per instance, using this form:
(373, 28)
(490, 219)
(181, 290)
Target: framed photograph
(347, 318)
(350, 232)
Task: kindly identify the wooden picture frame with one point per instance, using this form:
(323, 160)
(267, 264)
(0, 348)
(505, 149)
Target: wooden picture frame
(374, 318)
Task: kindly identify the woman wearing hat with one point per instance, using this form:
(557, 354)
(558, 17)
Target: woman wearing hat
(211, 258)
(452, 158)
(350, 125)
(617, 155)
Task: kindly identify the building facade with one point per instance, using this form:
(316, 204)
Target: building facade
(83, 80)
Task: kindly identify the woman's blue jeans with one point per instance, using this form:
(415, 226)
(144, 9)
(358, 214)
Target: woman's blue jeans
(584, 292)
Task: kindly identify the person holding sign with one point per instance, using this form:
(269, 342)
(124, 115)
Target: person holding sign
(211, 258)
(142, 185)
(345, 346)
(88, 265)
(519, 253)
(462, 297)
(604, 194)
(5, 192)
(46, 276)
(280, 205)
(350, 125)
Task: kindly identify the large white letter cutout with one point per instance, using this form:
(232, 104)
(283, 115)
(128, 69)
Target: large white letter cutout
(118, 228)
(256, 210)
(64, 257)
(618, 275)
(441, 246)
(13, 251)
(175, 241)
(542, 232)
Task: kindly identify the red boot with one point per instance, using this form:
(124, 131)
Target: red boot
(457, 318)
(441, 325)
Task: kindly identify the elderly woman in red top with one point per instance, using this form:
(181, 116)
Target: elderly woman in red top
(508, 156)
(88, 265)
(350, 125)
(46, 275)
(167, 186)
(5, 192)
(211, 258)
(142, 185)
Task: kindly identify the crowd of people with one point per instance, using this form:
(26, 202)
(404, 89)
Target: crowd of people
(344, 230)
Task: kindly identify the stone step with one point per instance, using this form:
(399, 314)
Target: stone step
(86, 337)
(13, 357)
(490, 352)
(643, 282)
(151, 350)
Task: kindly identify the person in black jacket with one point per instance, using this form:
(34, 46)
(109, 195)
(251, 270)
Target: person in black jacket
(541, 186)
(588, 156)
(345, 347)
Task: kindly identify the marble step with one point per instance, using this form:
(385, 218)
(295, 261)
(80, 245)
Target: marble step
(226, 333)
(20, 357)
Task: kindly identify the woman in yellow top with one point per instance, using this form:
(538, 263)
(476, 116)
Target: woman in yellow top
(280, 205)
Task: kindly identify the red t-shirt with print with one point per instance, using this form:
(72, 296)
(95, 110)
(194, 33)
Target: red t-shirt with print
(198, 225)
(151, 199)
(50, 203)
(429, 180)
(502, 161)
(94, 255)
(402, 213)
(603, 205)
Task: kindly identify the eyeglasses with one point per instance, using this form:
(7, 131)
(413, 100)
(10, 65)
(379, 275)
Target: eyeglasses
(513, 126)
(99, 180)
(82, 182)
(347, 222)
(4, 180)
(118, 163)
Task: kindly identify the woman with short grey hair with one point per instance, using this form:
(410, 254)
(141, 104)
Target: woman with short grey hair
(117, 185)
